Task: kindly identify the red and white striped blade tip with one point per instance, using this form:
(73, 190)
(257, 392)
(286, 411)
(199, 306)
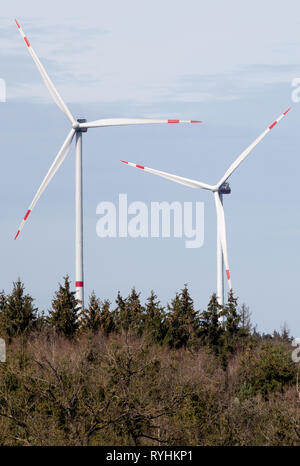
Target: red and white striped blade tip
(276, 121)
(133, 164)
(22, 33)
(25, 218)
(184, 121)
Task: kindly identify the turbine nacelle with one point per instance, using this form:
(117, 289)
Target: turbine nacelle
(77, 125)
(80, 128)
(224, 188)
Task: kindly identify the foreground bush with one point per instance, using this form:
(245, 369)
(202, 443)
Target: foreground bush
(123, 390)
(141, 374)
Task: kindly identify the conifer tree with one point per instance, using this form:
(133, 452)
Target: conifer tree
(175, 335)
(106, 318)
(182, 321)
(154, 317)
(90, 317)
(232, 316)
(191, 317)
(18, 315)
(210, 327)
(2, 300)
(63, 316)
(131, 313)
(118, 311)
(42, 322)
(2, 314)
(285, 333)
(232, 323)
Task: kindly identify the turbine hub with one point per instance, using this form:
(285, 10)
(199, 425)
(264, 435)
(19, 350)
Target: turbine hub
(76, 126)
(225, 188)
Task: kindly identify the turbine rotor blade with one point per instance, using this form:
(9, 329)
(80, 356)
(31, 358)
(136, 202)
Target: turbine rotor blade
(53, 91)
(244, 154)
(169, 176)
(53, 169)
(222, 233)
(130, 121)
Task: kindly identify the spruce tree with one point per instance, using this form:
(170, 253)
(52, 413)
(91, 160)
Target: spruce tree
(118, 311)
(232, 323)
(154, 324)
(2, 300)
(2, 314)
(191, 317)
(107, 318)
(131, 313)
(63, 316)
(285, 334)
(210, 326)
(182, 321)
(18, 315)
(175, 335)
(91, 318)
(232, 317)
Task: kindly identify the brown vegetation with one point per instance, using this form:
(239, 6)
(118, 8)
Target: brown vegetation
(138, 375)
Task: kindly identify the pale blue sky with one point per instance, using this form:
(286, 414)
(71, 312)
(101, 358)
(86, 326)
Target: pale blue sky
(229, 64)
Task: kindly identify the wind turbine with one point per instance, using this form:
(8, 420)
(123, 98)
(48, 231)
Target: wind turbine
(218, 190)
(77, 128)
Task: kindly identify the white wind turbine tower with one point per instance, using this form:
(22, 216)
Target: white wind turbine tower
(222, 187)
(77, 127)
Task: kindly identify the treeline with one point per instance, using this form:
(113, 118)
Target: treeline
(128, 373)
